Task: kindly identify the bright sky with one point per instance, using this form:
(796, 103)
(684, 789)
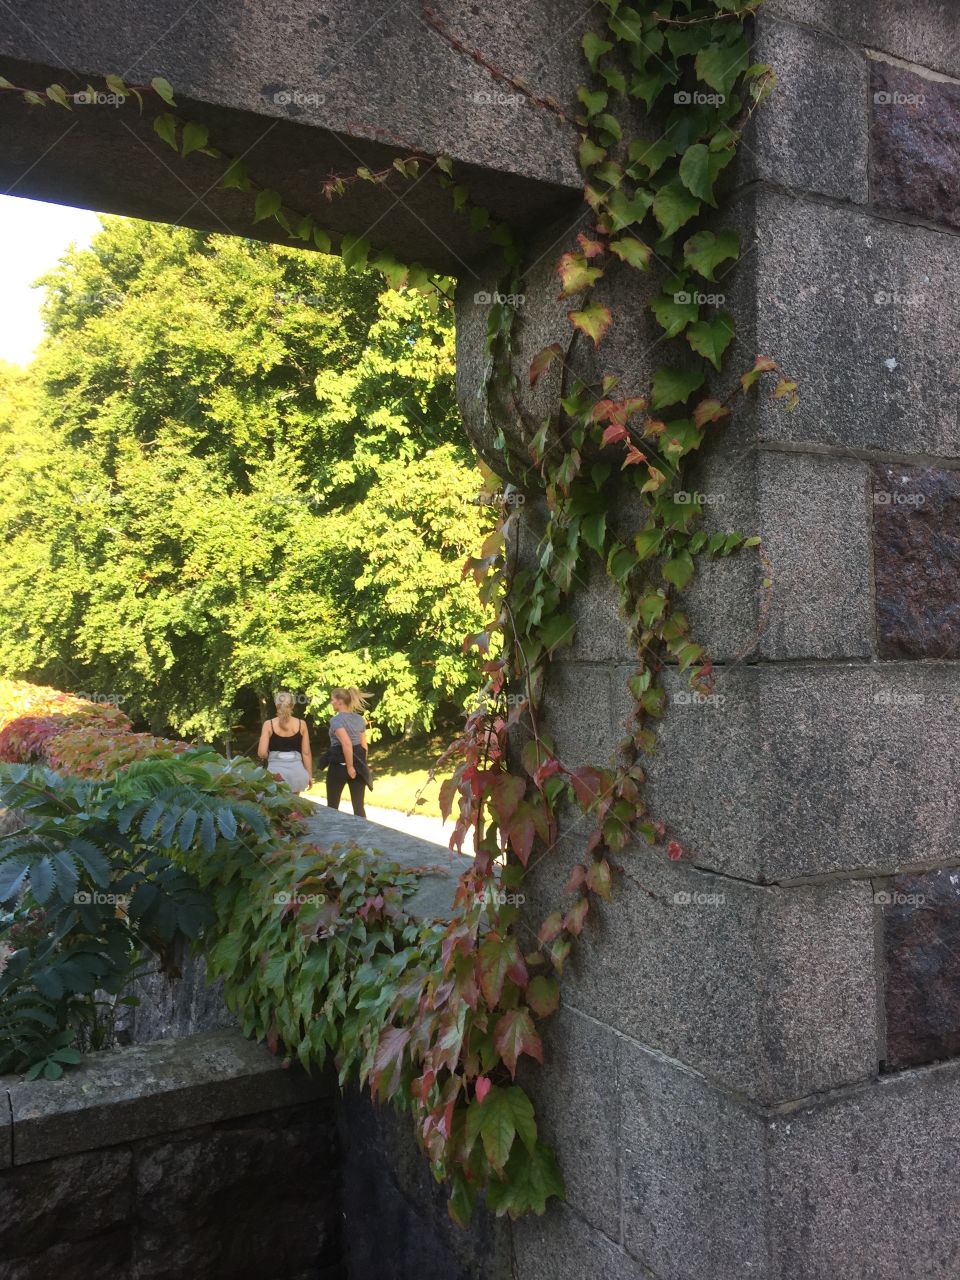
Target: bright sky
(33, 236)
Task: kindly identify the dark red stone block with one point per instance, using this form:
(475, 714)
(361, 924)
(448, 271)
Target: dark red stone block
(915, 144)
(921, 934)
(916, 539)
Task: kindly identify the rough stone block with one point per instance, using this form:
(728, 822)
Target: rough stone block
(811, 135)
(800, 771)
(852, 308)
(301, 94)
(815, 530)
(674, 962)
(64, 1201)
(118, 1097)
(924, 33)
(576, 713)
(694, 1184)
(916, 540)
(921, 931)
(864, 1183)
(397, 1223)
(578, 1110)
(916, 144)
(254, 1197)
(560, 1246)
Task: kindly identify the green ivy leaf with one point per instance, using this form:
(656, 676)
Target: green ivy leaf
(321, 240)
(236, 176)
(594, 530)
(648, 85)
(165, 127)
(622, 211)
(267, 205)
(719, 65)
(593, 320)
(543, 994)
(594, 101)
(589, 153)
(531, 1179)
(576, 274)
(195, 137)
(633, 251)
(705, 251)
(674, 386)
(710, 338)
(673, 205)
(679, 570)
(594, 47)
(354, 250)
(626, 24)
(674, 313)
(56, 93)
(163, 88)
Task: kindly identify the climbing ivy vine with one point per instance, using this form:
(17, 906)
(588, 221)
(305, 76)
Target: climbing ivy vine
(669, 89)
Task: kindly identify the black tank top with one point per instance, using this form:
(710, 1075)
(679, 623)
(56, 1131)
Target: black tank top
(278, 742)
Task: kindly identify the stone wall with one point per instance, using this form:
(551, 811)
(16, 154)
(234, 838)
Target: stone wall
(751, 1073)
(200, 1157)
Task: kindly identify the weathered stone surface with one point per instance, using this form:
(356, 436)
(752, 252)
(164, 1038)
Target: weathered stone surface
(576, 713)
(578, 1111)
(921, 941)
(397, 1223)
(924, 33)
(438, 869)
(253, 1197)
(864, 1183)
(67, 1200)
(811, 134)
(916, 144)
(117, 1097)
(806, 770)
(815, 530)
(674, 961)
(301, 94)
(916, 538)
(694, 1184)
(853, 308)
(181, 1006)
(560, 1246)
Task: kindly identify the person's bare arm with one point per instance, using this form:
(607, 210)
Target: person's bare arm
(344, 739)
(263, 746)
(305, 749)
(363, 741)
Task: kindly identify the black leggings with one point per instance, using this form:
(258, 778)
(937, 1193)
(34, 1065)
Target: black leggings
(337, 778)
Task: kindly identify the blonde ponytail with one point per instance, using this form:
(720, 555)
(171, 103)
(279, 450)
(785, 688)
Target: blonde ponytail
(284, 701)
(353, 699)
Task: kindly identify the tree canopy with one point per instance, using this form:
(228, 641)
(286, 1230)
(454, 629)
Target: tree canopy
(234, 467)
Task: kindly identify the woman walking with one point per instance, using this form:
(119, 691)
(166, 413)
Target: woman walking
(285, 745)
(348, 749)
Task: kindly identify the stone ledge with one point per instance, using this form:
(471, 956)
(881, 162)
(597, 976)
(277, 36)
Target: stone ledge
(139, 1092)
(439, 869)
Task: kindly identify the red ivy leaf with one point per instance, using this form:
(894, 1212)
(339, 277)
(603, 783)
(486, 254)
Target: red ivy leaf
(591, 248)
(550, 927)
(497, 956)
(573, 920)
(482, 1087)
(674, 850)
(514, 1035)
(614, 434)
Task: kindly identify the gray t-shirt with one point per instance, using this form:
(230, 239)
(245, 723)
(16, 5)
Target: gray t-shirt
(352, 721)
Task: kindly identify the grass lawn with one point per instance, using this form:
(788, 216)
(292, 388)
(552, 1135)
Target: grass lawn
(400, 767)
